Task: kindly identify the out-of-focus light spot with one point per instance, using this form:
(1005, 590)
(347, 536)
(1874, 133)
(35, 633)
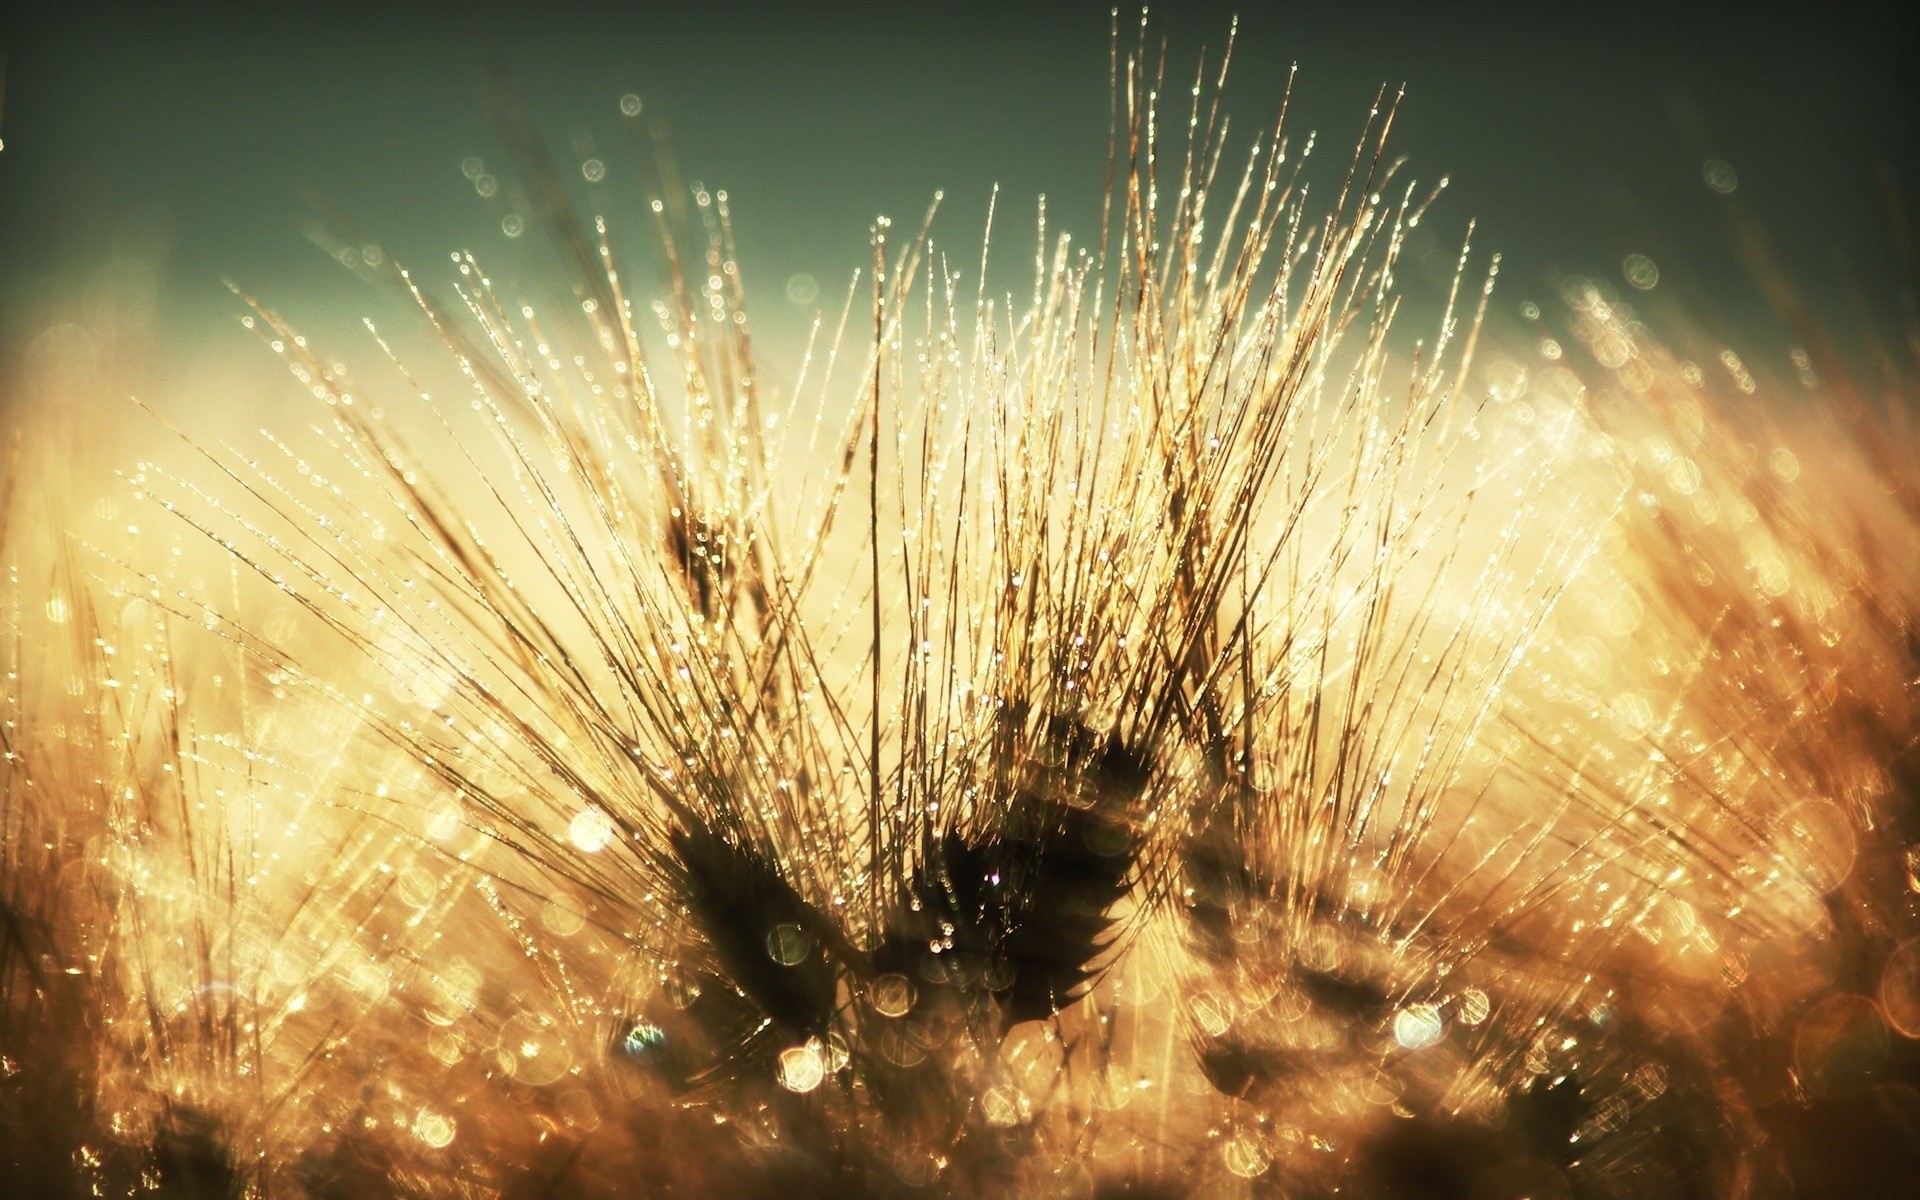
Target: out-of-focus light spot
(1641, 272)
(1784, 464)
(1742, 378)
(679, 989)
(57, 611)
(563, 916)
(577, 1109)
(443, 822)
(1507, 380)
(892, 995)
(1246, 1156)
(530, 1049)
(1720, 175)
(1803, 367)
(1263, 776)
(802, 1068)
(1817, 838)
(433, 1128)
(1418, 1026)
(1650, 1080)
(369, 980)
(1840, 1044)
(905, 1045)
(1211, 1012)
(1900, 988)
(486, 185)
(416, 887)
(1474, 1006)
(630, 105)
(594, 170)
(459, 984)
(788, 945)
(802, 290)
(917, 1167)
(1631, 713)
(1001, 1106)
(590, 830)
(446, 1045)
(512, 225)
(472, 167)
(839, 1054)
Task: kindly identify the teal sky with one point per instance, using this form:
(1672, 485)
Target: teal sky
(148, 157)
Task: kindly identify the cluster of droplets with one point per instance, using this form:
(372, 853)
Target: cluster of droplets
(1149, 735)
